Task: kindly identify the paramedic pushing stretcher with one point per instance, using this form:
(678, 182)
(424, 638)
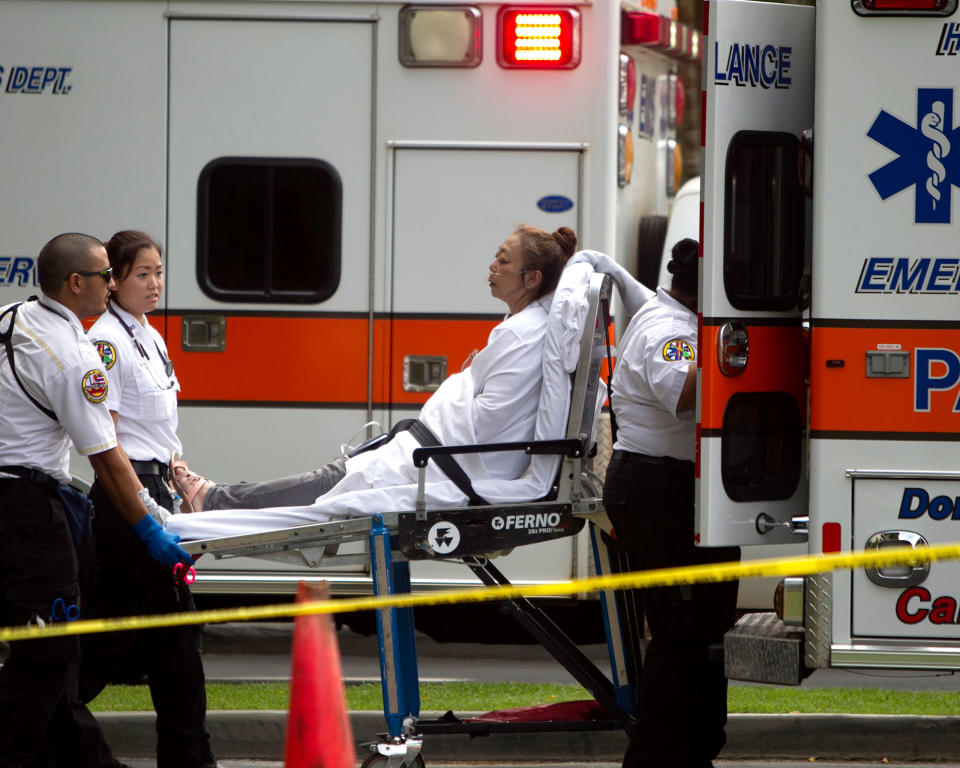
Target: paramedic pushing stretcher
(52, 389)
(649, 496)
(500, 404)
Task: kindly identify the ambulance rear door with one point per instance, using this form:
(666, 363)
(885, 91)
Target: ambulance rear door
(757, 100)
(885, 359)
(269, 237)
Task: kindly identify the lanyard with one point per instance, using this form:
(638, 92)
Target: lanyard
(167, 363)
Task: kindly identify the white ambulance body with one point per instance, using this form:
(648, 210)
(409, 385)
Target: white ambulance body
(330, 181)
(830, 345)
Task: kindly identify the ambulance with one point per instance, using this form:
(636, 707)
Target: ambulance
(829, 379)
(330, 181)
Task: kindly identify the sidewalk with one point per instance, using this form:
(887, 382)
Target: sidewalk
(260, 735)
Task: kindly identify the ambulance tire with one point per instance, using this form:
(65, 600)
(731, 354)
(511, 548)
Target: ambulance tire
(376, 760)
(651, 235)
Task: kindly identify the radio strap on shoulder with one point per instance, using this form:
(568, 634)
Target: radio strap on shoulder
(7, 338)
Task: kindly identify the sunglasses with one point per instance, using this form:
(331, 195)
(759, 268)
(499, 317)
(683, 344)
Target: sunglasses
(106, 274)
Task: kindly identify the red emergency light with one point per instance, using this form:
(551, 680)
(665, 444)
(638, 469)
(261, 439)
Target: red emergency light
(905, 7)
(538, 38)
(649, 29)
(659, 33)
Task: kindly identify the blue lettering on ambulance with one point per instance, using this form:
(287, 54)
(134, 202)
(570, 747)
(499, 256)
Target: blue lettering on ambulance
(903, 275)
(17, 270)
(916, 502)
(38, 80)
(907, 278)
(765, 65)
(937, 370)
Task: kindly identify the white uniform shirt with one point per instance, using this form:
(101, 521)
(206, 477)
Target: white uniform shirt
(657, 348)
(61, 369)
(141, 392)
(507, 376)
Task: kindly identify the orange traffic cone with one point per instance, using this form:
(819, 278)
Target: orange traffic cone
(318, 727)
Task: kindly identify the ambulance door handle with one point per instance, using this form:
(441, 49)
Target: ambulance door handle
(798, 524)
(423, 373)
(733, 347)
(204, 333)
(897, 576)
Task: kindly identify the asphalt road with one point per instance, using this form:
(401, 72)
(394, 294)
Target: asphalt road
(261, 652)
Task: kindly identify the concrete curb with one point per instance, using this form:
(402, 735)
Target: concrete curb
(260, 735)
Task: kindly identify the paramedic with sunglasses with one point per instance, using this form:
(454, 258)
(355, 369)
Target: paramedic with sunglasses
(142, 400)
(52, 392)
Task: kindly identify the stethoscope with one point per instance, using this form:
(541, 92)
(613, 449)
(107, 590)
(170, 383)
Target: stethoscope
(167, 363)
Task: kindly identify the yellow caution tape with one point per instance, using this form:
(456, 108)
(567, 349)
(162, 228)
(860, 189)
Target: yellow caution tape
(788, 566)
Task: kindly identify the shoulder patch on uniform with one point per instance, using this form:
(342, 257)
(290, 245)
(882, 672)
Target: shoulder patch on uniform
(94, 386)
(107, 352)
(677, 350)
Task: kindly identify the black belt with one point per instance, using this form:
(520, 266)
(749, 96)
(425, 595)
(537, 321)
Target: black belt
(629, 457)
(29, 475)
(153, 467)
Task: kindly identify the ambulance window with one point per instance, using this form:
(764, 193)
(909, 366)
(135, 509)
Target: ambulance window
(268, 229)
(761, 446)
(763, 226)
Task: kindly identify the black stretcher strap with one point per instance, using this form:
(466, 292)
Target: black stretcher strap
(422, 434)
(448, 465)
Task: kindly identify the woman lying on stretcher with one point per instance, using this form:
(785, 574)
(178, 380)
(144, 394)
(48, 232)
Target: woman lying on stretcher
(496, 399)
(506, 382)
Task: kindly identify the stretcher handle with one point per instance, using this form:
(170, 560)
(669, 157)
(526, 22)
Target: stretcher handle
(570, 447)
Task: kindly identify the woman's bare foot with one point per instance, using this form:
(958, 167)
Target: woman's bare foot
(191, 486)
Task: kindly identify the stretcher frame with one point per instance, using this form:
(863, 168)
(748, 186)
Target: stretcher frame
(396, 538)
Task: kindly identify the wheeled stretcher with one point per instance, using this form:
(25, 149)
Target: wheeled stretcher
(470, 533)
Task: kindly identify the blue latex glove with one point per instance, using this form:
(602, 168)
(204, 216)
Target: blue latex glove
(161, 545)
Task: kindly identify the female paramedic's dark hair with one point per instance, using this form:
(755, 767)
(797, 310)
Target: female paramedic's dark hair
(546, 252)
(684, 266)
(123, 247)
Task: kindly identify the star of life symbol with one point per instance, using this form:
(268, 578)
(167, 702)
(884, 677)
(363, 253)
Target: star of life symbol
(929, 155)
(443, 538)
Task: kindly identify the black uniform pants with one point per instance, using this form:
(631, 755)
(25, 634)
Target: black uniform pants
(682, 706)
(39, 703)
(126, 581)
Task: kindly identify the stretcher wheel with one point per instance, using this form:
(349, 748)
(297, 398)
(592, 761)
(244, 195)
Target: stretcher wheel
(376, 760)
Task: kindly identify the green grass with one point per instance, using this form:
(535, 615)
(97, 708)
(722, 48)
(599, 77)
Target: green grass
(456, 696)
(465, 697)
(856, 701)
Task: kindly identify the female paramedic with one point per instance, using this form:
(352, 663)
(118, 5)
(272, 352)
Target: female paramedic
(649, 496)
(506, 378)
(142, 398)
